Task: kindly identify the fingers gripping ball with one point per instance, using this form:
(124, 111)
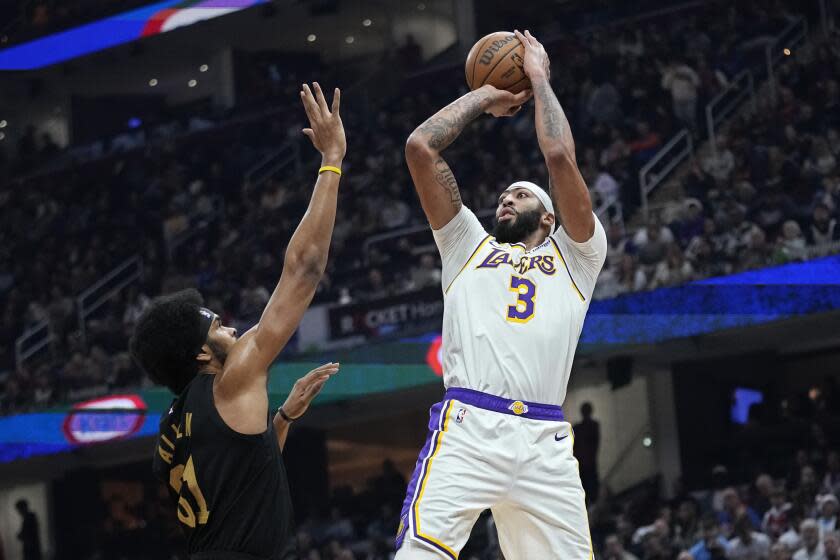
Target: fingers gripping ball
(497, 59)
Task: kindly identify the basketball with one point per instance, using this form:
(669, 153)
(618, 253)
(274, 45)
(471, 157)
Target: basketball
(497, 59)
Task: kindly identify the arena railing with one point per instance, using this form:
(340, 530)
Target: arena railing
(33, 340)
(682, 145)
(423, 232)
(632, 446)
(663, 163)
(727, 102)
(603, 211)
(105, 289)
(276, 161)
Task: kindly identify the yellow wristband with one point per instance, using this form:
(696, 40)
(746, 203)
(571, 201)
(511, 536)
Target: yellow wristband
(332, 168)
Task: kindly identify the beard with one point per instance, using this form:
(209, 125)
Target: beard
(219, 351)
(516, 230)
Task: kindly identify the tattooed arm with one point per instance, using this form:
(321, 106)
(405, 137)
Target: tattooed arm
(433, 179)
(568, 189)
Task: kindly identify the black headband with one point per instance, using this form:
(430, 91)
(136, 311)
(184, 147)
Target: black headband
(206, 318)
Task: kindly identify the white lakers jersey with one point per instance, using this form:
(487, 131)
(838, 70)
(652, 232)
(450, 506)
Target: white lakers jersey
(512, 318)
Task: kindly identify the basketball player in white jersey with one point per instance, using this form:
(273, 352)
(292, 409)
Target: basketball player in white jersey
(514, 305)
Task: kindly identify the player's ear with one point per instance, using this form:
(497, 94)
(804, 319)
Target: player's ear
(548, 220)
(205, 356)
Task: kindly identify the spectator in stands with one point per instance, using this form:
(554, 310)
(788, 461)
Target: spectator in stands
(779, 551)
(791, 244)
(823, 228)
(747, 544)
(673, 270)
(686, 526)
(831, 545)
(29, 534)
(411, 53)
(712, 546)
(734, 507)
(691, 223)
(831, 480)
(646, 144)
(604, 102)
(827, 507)
(426, 274)
(821, 161)
(682, 82)
(614, 550)
(762, 490)
(587, 441)
(775, 521)
(812, 548)
(721, 163)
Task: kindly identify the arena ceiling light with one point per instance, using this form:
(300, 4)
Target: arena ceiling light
(311, 37)
(153, 82)
(349, 39)
(192, 83)
(203, 68)
(3, 123)
(367, 22)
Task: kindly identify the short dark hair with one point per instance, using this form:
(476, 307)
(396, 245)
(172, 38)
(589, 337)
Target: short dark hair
(168, 337)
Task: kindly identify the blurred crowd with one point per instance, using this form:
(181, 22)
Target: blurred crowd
(187, 205)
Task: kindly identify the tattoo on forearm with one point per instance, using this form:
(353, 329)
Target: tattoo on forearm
(553, 119)
(443, 127)
(445, 178)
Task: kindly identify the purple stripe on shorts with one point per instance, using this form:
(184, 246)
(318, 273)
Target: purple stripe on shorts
(434, 424)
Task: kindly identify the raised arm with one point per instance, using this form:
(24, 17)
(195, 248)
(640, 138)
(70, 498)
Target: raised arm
(433, 179)
(243, 383)
(568, 189)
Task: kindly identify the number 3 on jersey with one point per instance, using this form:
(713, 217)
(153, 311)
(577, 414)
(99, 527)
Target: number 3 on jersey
(523, 311)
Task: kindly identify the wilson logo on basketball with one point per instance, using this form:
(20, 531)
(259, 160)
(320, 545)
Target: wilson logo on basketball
(495, 46)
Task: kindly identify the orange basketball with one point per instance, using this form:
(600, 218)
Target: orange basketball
(497, 59)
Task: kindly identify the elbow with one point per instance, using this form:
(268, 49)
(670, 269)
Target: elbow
(560, 156)
(310, 263)
(417, 149)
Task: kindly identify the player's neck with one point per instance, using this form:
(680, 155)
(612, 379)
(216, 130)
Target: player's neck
(533, 240)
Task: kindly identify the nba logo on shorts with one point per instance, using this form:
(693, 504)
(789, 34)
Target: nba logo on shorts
(461, 413)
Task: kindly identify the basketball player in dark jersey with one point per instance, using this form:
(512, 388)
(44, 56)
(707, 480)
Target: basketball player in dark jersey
(219, 450)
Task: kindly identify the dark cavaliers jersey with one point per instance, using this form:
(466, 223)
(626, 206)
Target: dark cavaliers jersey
(229, 489)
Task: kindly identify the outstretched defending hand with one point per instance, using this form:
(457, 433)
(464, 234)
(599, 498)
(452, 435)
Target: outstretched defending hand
(536, 63)
(307, 388)
(504, 103)
(326, 129)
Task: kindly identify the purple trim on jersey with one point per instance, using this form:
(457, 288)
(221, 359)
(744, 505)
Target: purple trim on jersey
(535, 411)
(566, 266)
(435, 414)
